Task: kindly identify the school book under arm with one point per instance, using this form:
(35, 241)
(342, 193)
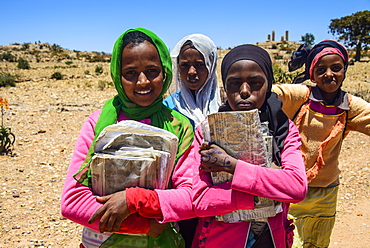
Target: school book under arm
(242, 135)
(132, 153)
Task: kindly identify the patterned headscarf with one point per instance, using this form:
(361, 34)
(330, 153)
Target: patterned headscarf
(270, 111)
(207, 98)
(309, 57)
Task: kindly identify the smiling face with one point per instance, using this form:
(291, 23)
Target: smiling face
(142, 74)
(328, 74)
(246, 85)
(192, 68)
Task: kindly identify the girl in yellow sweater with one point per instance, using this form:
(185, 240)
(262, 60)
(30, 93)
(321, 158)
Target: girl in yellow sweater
(324, 115)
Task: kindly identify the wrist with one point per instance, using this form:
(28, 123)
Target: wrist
(230, 165)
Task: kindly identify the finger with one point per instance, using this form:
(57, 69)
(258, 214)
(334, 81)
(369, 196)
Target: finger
(206, 168)
(204, 158)
(204, 145)
(103, 199)
(102, 225)
(97, 214)
(118, 223)
(109, 223)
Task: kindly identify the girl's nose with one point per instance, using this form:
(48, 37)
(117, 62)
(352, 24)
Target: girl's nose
(328, 73)
(142, 78)
(192, 70)
(244, 90)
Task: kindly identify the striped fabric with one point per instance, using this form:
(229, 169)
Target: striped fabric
(315, 226)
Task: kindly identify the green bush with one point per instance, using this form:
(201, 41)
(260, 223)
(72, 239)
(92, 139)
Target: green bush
(97, 59)
(278, 56)
(86, 72)
(101, 84)
(57, 75)
(99, 69)
(25, 46)
(7, 80)
(68, 62)
(23, 64)
(8, 57)
(56, 48)
(281, 76)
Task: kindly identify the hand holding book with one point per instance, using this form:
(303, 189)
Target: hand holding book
(113, 212)
(215, 159)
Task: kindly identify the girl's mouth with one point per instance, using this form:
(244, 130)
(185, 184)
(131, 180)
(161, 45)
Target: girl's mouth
(143, 92)
(193, 80)
(245, 104)
(329, 81)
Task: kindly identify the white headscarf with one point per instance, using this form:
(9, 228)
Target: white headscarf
(208, 96)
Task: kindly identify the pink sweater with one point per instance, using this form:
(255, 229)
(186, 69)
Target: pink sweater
(288, 185)
(78, 203)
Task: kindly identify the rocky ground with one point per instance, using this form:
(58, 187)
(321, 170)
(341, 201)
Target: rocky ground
(46, 116)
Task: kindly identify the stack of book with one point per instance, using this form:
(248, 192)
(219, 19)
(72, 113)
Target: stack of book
(131, 153)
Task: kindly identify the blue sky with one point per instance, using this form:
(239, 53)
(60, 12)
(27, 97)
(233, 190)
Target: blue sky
(95, 25)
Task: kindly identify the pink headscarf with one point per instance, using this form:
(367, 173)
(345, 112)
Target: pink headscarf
(322, 53)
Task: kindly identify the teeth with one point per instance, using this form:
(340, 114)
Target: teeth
(143, 92)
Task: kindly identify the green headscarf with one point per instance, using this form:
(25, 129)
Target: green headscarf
(159, 114)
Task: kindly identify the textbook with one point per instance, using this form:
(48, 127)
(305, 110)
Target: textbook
(132, 153)
(242, 135)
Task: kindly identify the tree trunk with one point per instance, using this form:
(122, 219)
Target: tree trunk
(358, 51)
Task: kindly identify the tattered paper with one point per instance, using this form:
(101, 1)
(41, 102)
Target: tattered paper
(242, 135)
(131, 153)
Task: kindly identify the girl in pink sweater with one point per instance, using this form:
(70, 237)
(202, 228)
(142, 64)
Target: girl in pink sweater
(247, 77)
(141, 71)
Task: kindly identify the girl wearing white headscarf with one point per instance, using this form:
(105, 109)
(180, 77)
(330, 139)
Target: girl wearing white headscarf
(195, 103)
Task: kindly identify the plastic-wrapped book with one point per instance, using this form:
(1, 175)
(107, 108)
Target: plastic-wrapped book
(131, 153)
(242, 135)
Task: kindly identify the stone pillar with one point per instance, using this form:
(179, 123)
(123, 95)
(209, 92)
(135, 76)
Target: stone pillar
(287, 35)
(282, 38)
(269, 37)
(273, 35)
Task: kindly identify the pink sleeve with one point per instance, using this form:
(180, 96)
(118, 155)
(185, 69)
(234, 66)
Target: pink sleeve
(78, 203)
(176, 203)
(209, 199)
(288, 184)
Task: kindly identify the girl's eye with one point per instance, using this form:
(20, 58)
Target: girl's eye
(152, 70)
(234, 83)
(337, 68)
(256, 83)
(320, 70)
(233, 86)
(184, 65)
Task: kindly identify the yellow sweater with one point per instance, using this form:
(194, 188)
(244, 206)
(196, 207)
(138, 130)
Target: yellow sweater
(315, 129)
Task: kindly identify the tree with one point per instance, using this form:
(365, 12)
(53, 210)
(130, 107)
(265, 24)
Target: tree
(354, 30)
(308, 39)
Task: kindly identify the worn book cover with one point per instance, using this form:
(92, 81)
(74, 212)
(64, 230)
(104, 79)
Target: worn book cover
(242, 135)
(131, 153)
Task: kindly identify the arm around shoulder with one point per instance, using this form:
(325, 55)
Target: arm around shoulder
(292, 96)
(358, 118)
